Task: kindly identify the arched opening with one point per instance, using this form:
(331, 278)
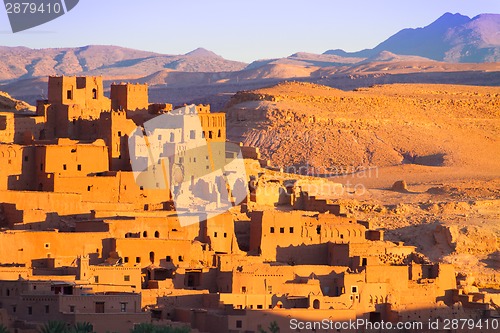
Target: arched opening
(152, 257)
(145, 234)
(316, 304)
(157, 234)
(94, 93)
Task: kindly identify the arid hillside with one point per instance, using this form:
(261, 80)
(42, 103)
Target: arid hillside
(10, 104)
(299, 124)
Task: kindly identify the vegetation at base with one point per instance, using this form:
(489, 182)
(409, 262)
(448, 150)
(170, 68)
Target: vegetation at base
(62, 327)
(273, 328)
(150, 328)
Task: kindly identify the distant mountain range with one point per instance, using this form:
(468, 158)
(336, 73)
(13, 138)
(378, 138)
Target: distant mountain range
(451, 38)
(111, 61)
(454, 49)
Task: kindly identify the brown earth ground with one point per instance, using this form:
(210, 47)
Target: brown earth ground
(443, 141)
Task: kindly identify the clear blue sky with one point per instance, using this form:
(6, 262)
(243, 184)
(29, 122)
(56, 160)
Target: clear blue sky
(238, 29)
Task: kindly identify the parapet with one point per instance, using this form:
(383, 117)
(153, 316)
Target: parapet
(200, 108)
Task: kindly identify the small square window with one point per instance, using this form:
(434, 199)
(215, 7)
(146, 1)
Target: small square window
(71, 308)
(168, 258)
(79, 167)
(225, 235)
(291, 230)
(119, 133)
(65, 167)
(271, 230)
(46, 245)
(137, 260)
(215, 234)
(125, 259)
(282, 230)
(354, 289)
(123, 307)
(181, 258)
(239, 324)
(126, 278)
(96, 279)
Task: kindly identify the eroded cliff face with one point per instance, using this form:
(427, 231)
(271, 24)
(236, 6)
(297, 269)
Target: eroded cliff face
(299, 124)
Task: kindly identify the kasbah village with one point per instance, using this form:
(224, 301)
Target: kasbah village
(82, 241)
